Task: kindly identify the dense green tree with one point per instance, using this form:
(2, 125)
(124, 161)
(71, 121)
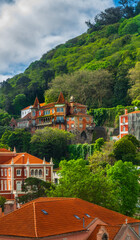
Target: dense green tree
(19, 138)
(50, 142)
(133, 139)
(2, 202)
(103, 156)
(122, 148)
(34, 188)
(76, 180)
(4, 118)
(126, 176)
(19, 103)
(85, 86)
(109, 16)
(134, 91)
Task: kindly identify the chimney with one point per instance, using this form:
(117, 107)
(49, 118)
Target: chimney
(126, 111)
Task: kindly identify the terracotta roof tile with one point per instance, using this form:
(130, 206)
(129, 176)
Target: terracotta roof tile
(4, 150)
(61, 98)
(21, 158)
(30, 221)
(27, 107)
(111, 230)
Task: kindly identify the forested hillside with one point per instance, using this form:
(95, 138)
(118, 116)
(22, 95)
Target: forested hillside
(95, 67)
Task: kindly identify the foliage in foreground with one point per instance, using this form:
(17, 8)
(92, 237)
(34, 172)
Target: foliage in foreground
(114, 187)
(33, 188)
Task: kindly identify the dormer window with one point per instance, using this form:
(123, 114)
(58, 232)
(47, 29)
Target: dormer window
(105, 237)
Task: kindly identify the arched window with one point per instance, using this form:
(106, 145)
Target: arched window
(40, 173)
(36, 172)
(32, 172)
(105, 237)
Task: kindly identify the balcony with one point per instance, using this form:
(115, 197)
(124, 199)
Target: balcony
(44, 124)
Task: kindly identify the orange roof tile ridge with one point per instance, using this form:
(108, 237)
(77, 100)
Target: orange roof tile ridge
(35, 225)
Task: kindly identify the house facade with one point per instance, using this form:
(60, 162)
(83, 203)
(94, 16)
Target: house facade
(67, 219)
(69, 116)
(130, 124)
(16, 167)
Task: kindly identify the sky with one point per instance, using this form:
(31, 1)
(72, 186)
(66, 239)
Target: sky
(30, 28)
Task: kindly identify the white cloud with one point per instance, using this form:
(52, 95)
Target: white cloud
(30, 28)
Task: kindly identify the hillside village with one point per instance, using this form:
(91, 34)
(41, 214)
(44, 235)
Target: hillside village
(70, 137)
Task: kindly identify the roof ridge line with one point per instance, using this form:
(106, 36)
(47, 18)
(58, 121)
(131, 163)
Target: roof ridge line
(35, 227)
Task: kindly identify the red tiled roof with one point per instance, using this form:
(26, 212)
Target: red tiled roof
(4, 150)
(28, 116)
(61, 98)
(27, 107)
(30, 221)
(36, 102)
(111, 230)
(21, 158)
(131, 113)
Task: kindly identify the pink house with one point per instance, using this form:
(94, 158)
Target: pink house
(67, 219)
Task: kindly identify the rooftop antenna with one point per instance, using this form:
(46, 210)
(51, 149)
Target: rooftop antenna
(83, 222)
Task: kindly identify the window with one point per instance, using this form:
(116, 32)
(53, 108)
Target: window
(9, 185)
(32, 172)
(5, 185)
(33, 122)
(60, 119)
(59, 126)
(2, 185)
(105, 237)
(67, 125)
(1, 172)
(40, 173)
(36, 172)
(5, 172)
(56, 181)
(25, 173)
(72, 118)
(52, 110)
(33, 113)
(47, 112)
(60, 109)
(39, 113)
(123, 120)
(47, 172)
(87, 125)
(18, 186)
(39, 121)
(9, 172)
(18, 172)
(87, 118)
(80, 118)
(72, 125)
(67, 119)
(123, 129)
(80, 125)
